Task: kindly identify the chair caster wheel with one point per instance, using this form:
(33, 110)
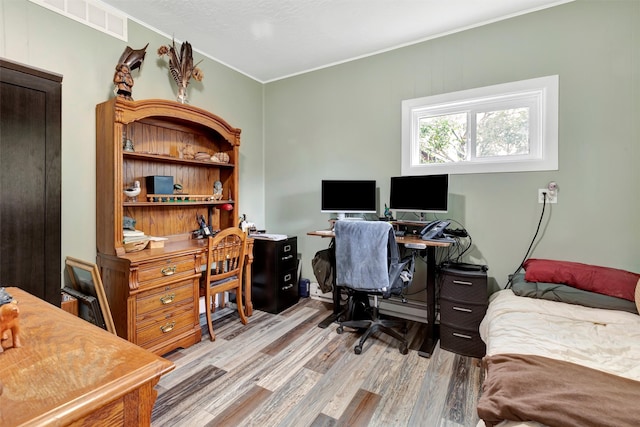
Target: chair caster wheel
(403, 349)
(357, 349)
(339, 330)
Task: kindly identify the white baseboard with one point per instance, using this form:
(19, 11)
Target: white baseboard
(316, 293)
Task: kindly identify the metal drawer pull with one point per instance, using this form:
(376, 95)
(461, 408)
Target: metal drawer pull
(460, 282)
(284, 288)
(287, 277)
(168, 271)
(284, 258)
(287, 248)
(466, 310)
(467, 337)
(167, 299)
(168, 327)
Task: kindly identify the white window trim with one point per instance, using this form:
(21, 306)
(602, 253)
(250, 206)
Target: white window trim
(547, 159)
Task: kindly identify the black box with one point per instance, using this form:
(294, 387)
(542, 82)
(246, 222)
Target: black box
(157, 184)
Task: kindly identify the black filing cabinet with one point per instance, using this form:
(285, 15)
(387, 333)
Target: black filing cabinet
(463, 304)
(274, 282)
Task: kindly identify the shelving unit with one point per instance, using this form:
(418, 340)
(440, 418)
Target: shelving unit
(153, 293)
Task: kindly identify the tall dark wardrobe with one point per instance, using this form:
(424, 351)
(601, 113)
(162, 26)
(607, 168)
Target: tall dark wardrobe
(30, 180)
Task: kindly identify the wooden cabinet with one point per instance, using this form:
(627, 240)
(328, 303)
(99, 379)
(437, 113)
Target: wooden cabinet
(275, 282)
(463, 303)
(153, 293)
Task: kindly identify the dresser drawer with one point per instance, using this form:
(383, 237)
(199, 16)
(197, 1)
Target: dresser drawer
(461, 314)
(164, 297)
(167, 268)
(461, 341)
(464, 287)
(165, 325)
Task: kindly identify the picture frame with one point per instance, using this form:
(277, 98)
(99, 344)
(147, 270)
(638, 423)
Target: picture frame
(85, 280)
(88, 307)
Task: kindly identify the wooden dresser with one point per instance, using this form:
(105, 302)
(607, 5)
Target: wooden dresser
(154, 293)
(70, 372)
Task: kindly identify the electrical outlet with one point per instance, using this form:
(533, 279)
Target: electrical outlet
(552, 196)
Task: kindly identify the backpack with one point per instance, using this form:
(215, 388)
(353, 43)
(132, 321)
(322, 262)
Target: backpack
(323, 264)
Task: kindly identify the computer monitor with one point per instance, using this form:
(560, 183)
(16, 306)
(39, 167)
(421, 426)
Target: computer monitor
(344, 197)
(422, 193)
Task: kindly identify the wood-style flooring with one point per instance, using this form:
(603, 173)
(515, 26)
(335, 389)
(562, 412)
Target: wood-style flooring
(283, 370)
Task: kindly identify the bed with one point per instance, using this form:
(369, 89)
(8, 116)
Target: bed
(554, 363)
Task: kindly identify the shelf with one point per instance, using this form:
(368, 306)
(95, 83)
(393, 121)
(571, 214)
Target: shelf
(179, 203)
(165, 158)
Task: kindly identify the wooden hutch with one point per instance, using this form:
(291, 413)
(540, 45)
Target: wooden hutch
(153, 293)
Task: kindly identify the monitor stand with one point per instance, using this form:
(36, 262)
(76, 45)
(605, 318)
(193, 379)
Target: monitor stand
(344, 217)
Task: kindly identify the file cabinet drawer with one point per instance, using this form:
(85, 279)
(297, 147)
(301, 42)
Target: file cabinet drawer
(464, 287)
(462, 341)
(463, 315)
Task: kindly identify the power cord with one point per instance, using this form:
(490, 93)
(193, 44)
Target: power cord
(526, 255)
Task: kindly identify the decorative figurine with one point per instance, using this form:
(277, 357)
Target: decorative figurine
(9, 320)
(188, 152)
(133, 191)
(127, 145)
(217, 190)
(129, 61)
(387, 213)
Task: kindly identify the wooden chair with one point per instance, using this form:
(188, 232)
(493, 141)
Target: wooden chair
(225, 263)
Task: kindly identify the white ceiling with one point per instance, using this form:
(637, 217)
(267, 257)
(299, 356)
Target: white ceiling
(271, 39)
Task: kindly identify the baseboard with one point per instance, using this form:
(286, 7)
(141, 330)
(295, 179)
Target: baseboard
(316, 293)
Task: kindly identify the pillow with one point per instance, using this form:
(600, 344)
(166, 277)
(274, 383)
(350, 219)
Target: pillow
(603, 280)
(570, 295)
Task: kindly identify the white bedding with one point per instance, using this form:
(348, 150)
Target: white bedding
(607, 340)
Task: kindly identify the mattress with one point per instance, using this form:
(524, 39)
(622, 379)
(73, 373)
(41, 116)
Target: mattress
(606, 340)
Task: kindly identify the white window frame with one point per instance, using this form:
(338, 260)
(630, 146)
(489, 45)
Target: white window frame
(540, 95)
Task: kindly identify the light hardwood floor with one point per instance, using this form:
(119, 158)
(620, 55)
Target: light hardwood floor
(283, 370)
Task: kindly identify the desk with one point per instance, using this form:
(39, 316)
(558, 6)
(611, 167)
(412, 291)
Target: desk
(432, 334)
(69, 371)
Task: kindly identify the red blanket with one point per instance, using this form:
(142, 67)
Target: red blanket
(556, 393)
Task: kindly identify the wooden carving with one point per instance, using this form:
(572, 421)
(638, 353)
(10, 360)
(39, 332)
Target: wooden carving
(9, 323)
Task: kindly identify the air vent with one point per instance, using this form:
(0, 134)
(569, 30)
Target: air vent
(92, 13)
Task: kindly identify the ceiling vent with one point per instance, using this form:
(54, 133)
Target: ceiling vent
(92, 13)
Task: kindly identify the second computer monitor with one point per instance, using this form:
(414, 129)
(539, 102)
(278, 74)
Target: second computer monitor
(421, 193)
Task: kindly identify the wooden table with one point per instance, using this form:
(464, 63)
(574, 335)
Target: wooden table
(432, 330)
(69, 371)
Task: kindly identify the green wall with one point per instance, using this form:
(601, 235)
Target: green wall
(344, 122)
(86, 58)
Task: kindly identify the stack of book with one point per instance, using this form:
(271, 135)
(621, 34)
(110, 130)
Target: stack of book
(134, 236)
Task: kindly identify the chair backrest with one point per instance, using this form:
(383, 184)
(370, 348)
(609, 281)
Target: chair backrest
(225, 255)
(367, 256)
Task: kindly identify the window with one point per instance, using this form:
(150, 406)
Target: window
(510, 127)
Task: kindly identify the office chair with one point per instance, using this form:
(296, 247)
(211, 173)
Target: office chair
(225, 263)
(368, 263)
